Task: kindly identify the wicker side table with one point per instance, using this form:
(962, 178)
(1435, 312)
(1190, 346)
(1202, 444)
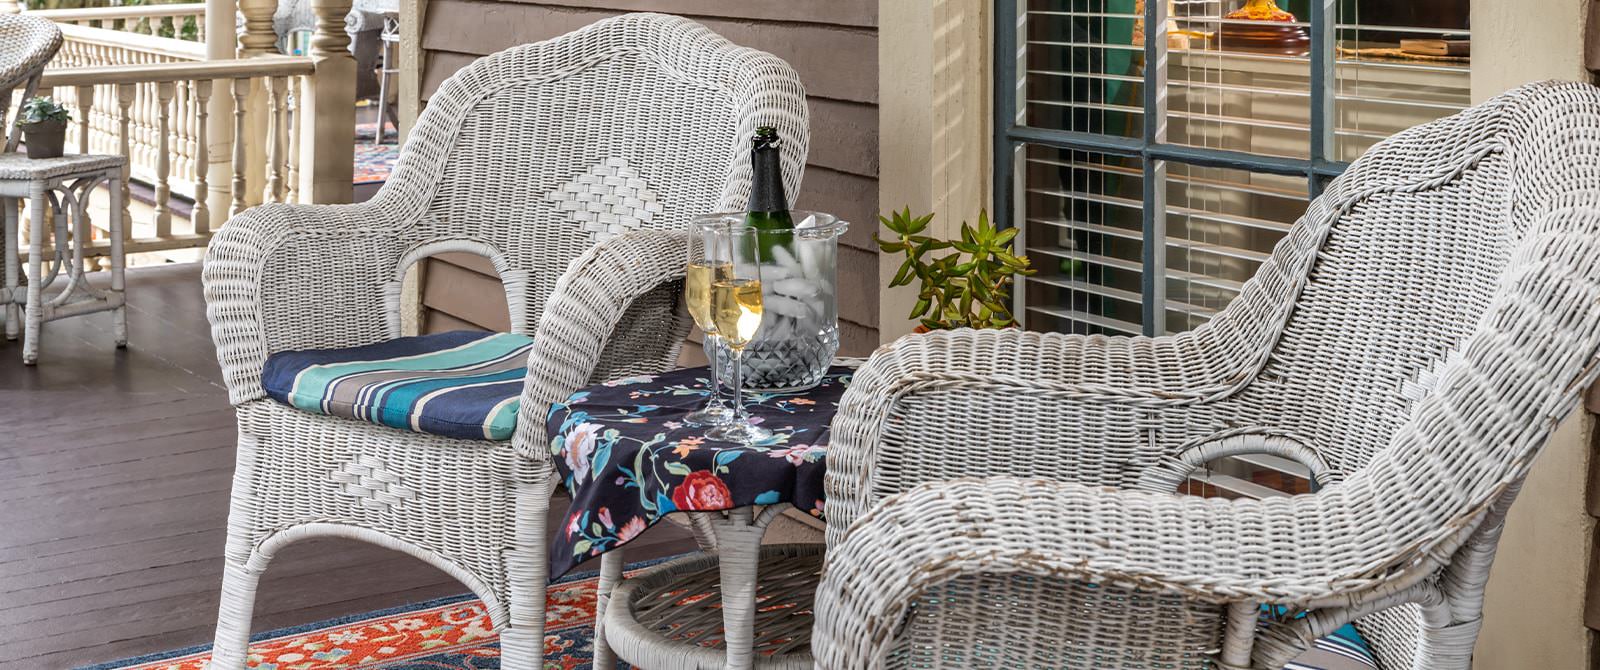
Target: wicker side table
(711, 611)
(65, 183)
(624, 452)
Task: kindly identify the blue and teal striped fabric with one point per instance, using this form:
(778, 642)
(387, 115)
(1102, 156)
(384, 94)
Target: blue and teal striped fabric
(464, 384)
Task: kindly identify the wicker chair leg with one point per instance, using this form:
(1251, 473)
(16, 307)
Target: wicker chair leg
(232, 642)
(610, 573)
(8, 245)
(528, 575)
(1447, 647)
(1239, 636)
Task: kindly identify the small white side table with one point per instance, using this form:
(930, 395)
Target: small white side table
(65, 183)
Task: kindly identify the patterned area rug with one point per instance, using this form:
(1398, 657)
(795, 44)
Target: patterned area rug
(374, 162)
(455, 634)
(447, 634)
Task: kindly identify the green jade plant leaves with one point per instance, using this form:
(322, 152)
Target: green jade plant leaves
(42, 110)
(969, 288)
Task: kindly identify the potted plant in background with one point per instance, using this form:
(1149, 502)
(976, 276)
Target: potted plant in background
(968, 288)
(44, 125)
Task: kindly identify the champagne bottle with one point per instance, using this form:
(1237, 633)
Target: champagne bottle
(769, 205)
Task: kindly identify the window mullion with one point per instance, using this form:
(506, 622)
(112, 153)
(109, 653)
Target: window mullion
(1323, 61)
(1153, 282)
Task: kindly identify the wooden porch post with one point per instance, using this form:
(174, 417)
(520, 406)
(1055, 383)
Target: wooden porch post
(257, 39)
(413, 14)
(220, 45)
(327, 137)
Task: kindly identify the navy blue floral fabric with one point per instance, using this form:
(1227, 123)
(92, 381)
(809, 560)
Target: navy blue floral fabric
(628, 459)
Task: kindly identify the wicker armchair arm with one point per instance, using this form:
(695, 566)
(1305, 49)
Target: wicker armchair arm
(953, 404)
(296, 276)
(592, 320)
(1267, 551)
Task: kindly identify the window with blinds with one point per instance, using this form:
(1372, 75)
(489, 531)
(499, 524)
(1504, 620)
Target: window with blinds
(1153, 155)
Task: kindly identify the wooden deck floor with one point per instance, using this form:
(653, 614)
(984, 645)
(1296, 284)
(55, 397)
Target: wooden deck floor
(114, 476)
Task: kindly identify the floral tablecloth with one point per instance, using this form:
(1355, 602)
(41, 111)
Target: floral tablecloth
(628, 459)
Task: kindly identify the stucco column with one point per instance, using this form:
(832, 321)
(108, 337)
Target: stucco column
(1534, 602)
(934, 132)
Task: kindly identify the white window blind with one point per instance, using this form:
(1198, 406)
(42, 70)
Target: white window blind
(1234, 151)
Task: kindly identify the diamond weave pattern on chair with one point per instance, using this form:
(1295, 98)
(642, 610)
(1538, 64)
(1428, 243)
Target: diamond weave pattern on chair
(608, 200)
(371, 483)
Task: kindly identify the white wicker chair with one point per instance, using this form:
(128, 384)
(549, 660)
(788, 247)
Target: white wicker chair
(27, 43)
(1413, 341)
(528, 157)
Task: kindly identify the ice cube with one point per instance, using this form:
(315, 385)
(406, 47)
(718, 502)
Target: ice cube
(786, 306)
(797, 288)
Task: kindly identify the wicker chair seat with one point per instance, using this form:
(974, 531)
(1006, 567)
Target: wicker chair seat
(463, 384)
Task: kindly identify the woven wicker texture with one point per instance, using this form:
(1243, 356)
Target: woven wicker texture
(1414, 340)
(17, 165)
(672, 615)
(648, 114)
(26, 44)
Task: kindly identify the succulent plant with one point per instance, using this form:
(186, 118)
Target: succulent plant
(42, 110)
(969, 288)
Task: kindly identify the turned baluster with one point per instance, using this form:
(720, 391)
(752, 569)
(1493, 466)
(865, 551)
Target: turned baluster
(183, 107)
(241, 90)
(277, 128)
(295, 128)
(202, 158)
(164, 91)
(125, 96)
(85, 95)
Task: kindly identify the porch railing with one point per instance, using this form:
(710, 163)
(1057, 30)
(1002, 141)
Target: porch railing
(186, 21)
(215, 136)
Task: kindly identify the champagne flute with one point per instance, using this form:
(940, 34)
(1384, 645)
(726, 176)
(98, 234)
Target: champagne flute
(708, 263)
(736, 307)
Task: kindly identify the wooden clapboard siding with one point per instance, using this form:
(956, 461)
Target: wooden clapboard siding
(831, 43)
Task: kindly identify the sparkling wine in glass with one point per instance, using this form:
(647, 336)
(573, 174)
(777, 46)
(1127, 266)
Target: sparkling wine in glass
(708, 263)
(736, 311)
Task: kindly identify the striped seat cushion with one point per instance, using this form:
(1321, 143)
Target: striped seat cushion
(464, 384)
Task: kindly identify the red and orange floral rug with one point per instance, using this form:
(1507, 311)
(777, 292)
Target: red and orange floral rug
(447, 634)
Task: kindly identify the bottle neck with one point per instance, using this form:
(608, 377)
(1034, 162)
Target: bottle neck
(766, 183)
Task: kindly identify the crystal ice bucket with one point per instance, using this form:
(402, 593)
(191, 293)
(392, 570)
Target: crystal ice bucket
(799, 332)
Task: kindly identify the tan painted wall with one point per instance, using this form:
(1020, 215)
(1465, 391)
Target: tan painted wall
(831, 43)
(1533, 612)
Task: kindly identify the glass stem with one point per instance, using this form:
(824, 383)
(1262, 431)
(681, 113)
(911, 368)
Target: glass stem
(716, 371)
(738, 385)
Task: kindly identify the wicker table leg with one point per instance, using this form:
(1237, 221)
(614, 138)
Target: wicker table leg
(31, 317)
(665, 617)
(738, 545)
(119, 261)
(610, 573)
(9, 246)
